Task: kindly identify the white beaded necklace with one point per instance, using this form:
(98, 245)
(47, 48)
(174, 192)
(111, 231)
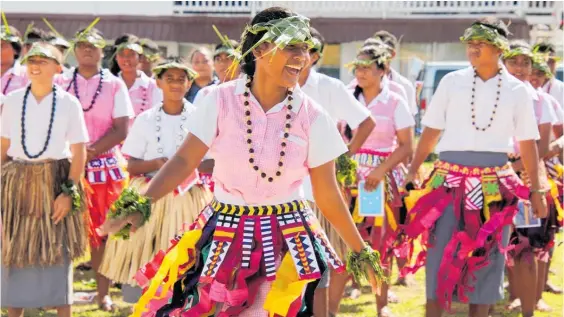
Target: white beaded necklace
(181, 135)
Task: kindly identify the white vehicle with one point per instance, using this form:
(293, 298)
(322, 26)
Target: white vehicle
(429, 79)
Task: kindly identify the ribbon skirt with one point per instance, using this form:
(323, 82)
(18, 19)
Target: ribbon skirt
(220, 266)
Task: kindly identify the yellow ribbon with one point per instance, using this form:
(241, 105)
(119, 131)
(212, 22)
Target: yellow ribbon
(391, 218)
(554, 194)
(176, 257)
(285, 289)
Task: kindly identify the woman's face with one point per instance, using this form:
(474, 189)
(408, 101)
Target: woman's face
(145, 64)
(127, 60)
(283, 66)
(481, 53)
(519, 66)
(87, 54)
(202, 65)
(7, 53)
(537, 78)
(41, 69)
(174, 83)
(368, 76)
(221, 64)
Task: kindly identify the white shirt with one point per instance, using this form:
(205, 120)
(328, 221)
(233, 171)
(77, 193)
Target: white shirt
(555, 88)
(335, 98)
(325, 142)
(555, 105)
(142, 142)
(450, 111)
(409, 90)
(68, 124)
(338, 101)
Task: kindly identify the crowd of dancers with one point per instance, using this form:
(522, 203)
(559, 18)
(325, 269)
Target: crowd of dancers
(230, 184)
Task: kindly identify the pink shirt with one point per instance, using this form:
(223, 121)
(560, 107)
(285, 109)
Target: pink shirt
(394, 86)
(144, 93)
(14, 78)
(391, 113)
(112, 102)
(544, 110)
(219, 121)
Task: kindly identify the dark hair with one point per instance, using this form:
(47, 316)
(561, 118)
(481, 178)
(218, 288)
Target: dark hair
(16, 46)
(386, 37)
(316, 35)
(125, 38)
(170, 59)
(35, 35)
(496, 24)
(373, 52)
(248, 65)
(234, 44)
(149, 45)
(545, 47)
(514, 44)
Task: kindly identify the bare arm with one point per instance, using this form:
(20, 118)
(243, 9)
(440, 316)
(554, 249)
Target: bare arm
(530, 158)
(361, 134)
(402, 152)
(544, 141)
(558, 130)
(114, 136)
(328, 198)
(555, 148)
(427, 143)
(137, 166)
(206, 166)
(4, 146)
(78, 162)
(177, 168)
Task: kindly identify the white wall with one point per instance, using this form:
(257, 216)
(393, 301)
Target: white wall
(150, 8)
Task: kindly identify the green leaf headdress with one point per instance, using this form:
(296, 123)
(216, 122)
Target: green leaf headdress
(158, 70)
(382, 56)
(545, 55)
(520, 50)
(226, 46)
(37, 49)
(6, 33)
(539, 62)
(281, 32)
(150, 54)
(482, 32)
(59, 39)
(87, 35)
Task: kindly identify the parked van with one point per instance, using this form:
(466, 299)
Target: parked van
(429, 79)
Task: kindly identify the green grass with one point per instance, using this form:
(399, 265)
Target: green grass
(411, 304)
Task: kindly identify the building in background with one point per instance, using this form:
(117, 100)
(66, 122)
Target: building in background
(429, 30)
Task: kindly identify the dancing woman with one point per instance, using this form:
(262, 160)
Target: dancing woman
(469, 201)
(258, 246)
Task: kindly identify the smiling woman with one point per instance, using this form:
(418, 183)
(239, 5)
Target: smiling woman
(257, 247)
(42, 196)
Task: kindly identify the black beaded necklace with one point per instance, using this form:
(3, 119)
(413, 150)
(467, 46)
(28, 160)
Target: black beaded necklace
(53, 107)
(287, 127)
(144, 100)
(8, 84)
(98, 89)
(495, 105)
